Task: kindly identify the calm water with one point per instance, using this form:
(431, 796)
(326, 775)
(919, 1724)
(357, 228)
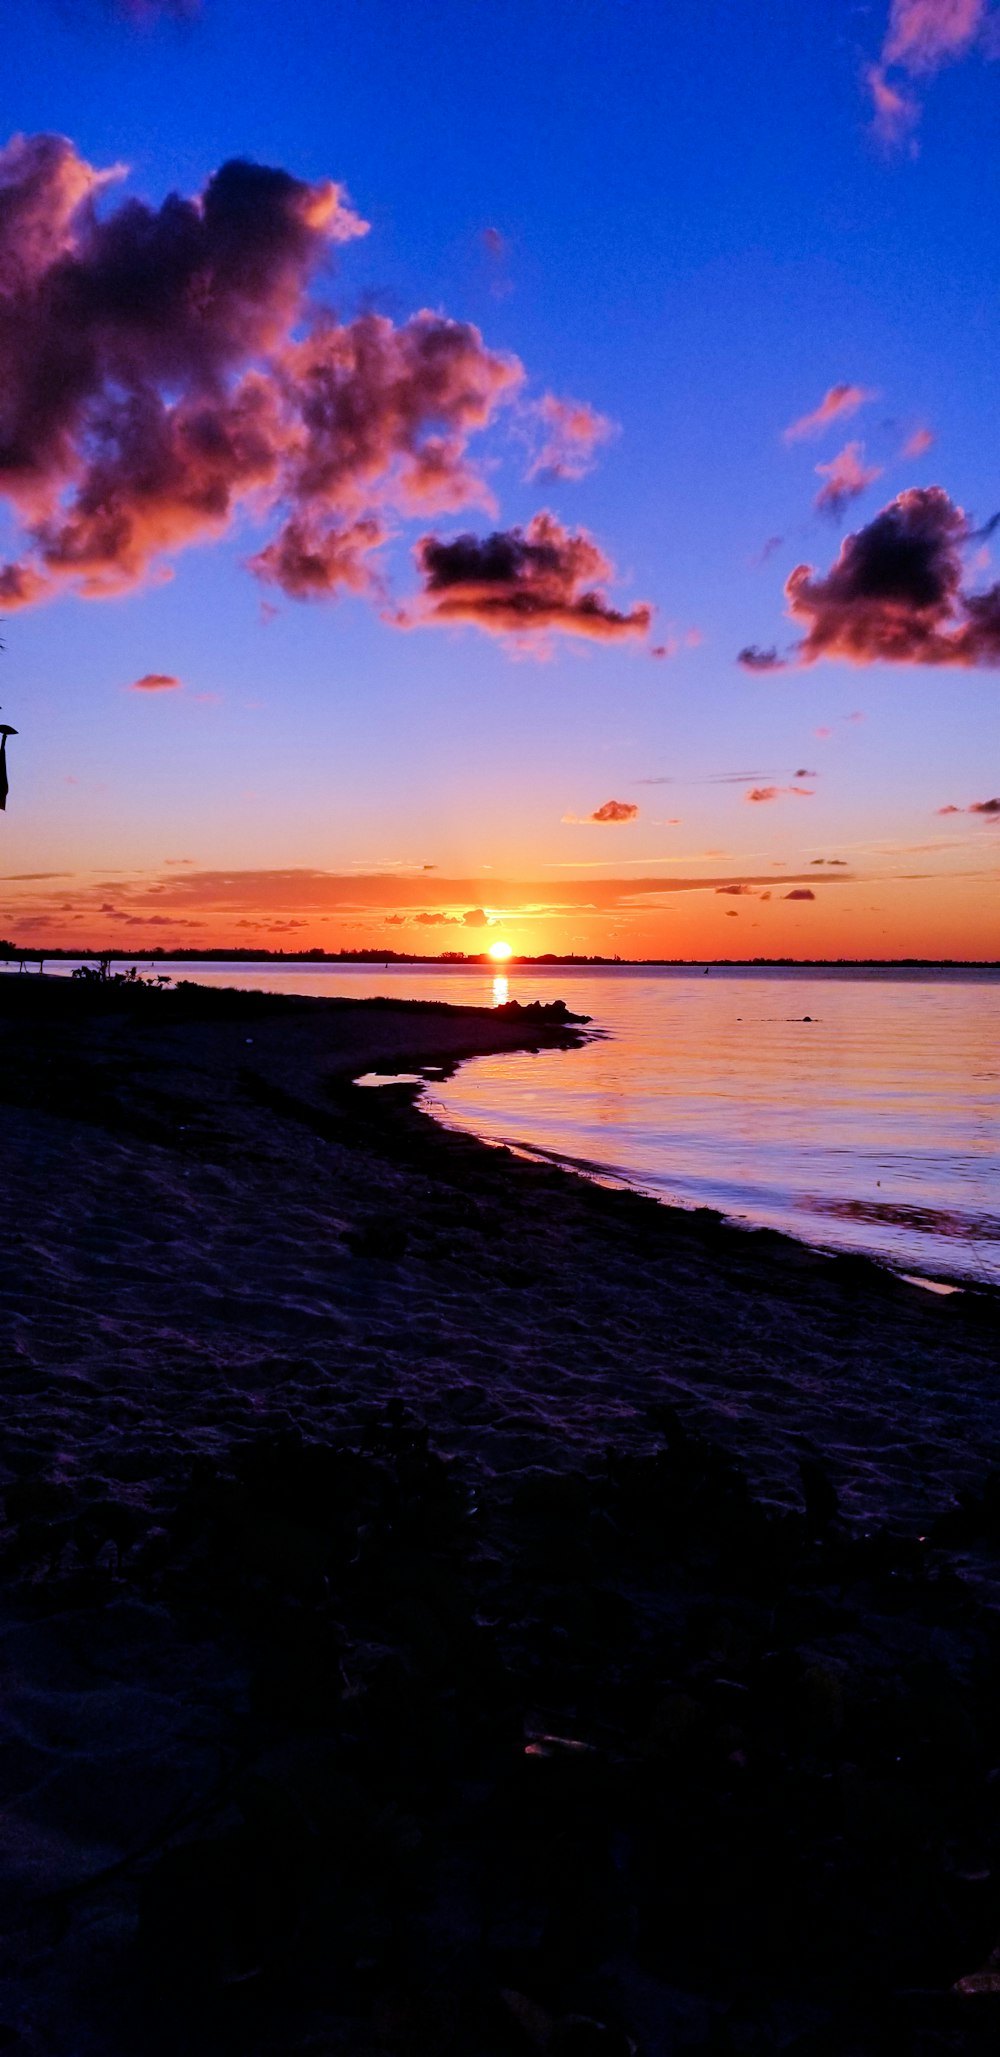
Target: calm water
(874, 1125)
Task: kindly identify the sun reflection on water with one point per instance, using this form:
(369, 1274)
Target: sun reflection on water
(501, 989)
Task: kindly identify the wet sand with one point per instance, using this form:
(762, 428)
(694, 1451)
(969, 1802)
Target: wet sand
(449, 1605)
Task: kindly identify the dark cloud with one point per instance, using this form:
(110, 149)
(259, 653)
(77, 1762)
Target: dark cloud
(523, 581)
(800, 893)
(756, 659)
(738, 892)
(989, 807)
(164, 367)
(895, 594)
(828, 860)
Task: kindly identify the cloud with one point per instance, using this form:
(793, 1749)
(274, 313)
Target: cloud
(476, 918)
(916, 444)
(521, 582)
(922, 36)
(800, 893)
(612, 812)
(763, 793)
(846, 477)
(753, 658)
(988, 807)
(894, 595)
(828, 860)
(837, 404)
(566, 433)
(154, 682)
(435, 920)
(767, 549)
(166, 368)
(738, 892)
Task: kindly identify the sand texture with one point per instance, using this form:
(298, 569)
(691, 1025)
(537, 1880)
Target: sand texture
(449, 1606)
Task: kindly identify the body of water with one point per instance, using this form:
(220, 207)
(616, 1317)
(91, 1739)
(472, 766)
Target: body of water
(858, 1110)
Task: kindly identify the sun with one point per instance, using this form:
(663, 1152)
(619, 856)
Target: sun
(500, 952)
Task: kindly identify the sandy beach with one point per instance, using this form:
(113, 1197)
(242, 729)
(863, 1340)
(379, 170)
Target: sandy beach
(451, 1606)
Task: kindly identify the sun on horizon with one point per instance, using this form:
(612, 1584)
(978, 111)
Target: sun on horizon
(500, 952)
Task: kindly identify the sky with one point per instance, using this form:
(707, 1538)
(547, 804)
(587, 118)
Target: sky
(521, 473)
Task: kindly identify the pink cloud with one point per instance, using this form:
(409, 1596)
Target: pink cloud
(764, 793)
(920, 441)
(922, 36)
(836, 405)
(568, 432)
(155, 682)
(612, 811)
(846, 477)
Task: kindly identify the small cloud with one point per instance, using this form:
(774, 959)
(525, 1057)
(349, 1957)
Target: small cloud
(921, 440)
(800, 893)
(173, 861)
(837, 404)
(753, 658)
(764, 793)
(493, 243)
(155, 682)
(737, 892)
(803, 774)
(766, 550)
(476, 918)
(823, 733)
(613, 812)
(732, 914)
(988, 807)
(566, 434)
(847, 477)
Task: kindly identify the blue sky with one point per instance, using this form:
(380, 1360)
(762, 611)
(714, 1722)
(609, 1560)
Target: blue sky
(701, 234)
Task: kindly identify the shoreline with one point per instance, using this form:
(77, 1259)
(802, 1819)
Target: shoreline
(446, 1601)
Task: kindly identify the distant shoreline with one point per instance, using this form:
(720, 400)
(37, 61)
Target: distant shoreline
(12, 954)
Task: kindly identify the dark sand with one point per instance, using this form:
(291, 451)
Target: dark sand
(452, 1607)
